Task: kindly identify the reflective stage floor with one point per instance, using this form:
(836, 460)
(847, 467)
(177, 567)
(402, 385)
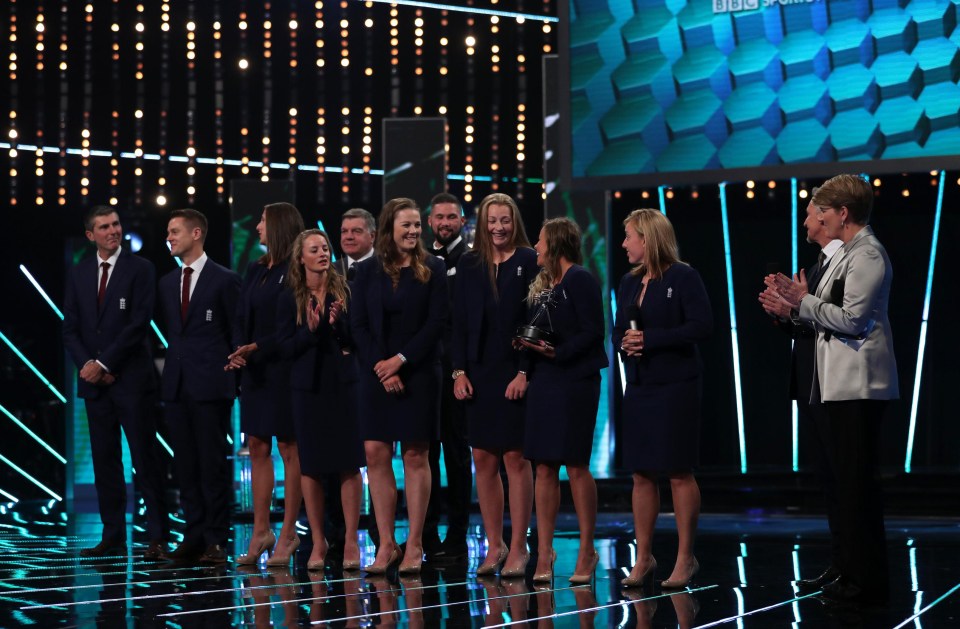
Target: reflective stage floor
(747, 563)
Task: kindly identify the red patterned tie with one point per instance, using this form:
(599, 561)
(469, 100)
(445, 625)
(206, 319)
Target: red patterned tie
(185, 294)
(103, 282)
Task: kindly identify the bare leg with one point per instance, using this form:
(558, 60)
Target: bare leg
(584, 490)
(292, 494)
(547, 496)
(490, 495)
(261, 481)
(383, 493)
(351, 487)
(313, 498)
(520, 477)
(416, 472)
(646, 507)
(686, 505)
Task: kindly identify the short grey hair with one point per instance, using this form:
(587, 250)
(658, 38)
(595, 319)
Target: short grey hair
(367, 217)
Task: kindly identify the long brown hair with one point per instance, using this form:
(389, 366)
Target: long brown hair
(483, 243)
(284, 223)
(387, 250)
(297, 276)
(659, 239)
(563, 241)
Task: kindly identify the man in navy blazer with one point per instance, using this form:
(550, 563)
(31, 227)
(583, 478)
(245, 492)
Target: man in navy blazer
(198, 303)
(107, 309)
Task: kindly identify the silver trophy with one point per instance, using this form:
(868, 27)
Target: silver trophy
(540, 327)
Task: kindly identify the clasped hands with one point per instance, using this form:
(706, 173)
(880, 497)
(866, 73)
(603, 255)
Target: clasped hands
(632, 343)
(782, 295)
(314, 312)
(387, 371)
(94, 373)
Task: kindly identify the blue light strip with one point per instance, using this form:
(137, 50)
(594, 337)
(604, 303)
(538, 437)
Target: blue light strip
(927, 608)
(30, 478)
(908, 462)
(32, 434)
(159, 334)
(164, 444)
(734, 342)
(794, 413)
(40, 290)
(333, 256)
(623, 373)
(462, 9)
(32, 368)
(663, 199)
(9, 496)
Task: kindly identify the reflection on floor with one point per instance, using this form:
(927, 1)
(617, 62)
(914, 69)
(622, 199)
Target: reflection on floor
(747, 563)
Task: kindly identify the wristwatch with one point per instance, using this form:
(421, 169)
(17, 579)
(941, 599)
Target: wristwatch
(457, 373)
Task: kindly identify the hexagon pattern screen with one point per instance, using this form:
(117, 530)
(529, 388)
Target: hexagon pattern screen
(690, 85)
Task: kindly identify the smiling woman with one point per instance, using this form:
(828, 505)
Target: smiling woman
(397, 315)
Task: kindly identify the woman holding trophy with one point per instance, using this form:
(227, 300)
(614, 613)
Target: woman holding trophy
(565, 339)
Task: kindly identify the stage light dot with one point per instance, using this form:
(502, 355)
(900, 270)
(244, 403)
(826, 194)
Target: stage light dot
(244, 64)
(293, 25)
(750, 185)
(161, 200)
(138, 113)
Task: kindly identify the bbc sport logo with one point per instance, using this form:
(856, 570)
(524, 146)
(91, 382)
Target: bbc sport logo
(736, 6)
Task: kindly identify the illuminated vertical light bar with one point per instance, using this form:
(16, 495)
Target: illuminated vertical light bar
(30, 478)
(908, 462)
(623, 374)
(794, 412)
(734, 342)
(663, 199)
(29, 364)
(32, 434)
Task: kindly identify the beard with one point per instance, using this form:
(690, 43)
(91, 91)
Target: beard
(446, 239)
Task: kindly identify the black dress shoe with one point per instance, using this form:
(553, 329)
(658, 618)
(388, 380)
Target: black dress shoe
(156, 550)
(450, 551)
(829, 575)
(214, 554)
(184, 552)
(845, 591)
(106, 547)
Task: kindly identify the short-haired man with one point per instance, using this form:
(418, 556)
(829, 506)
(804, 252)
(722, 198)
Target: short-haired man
(198, 302)
(357, 231)
(107, 309)
(446, 221)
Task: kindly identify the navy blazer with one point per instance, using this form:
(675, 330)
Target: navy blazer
(579, 323)
(256, 322)
(675, 316)
(424, 316)
(117, 334)
(316, 353)
(199, 346)
(472, 294)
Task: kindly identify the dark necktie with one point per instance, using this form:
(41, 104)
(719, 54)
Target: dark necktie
(103, 282)
(818, 270)
(185, 293)
(351, 270)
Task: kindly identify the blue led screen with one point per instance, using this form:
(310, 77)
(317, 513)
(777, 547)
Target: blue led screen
(660, 87)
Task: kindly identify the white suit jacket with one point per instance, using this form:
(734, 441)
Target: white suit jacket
(855, 358)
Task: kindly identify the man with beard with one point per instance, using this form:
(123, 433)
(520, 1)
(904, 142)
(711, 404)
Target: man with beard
(446, 222)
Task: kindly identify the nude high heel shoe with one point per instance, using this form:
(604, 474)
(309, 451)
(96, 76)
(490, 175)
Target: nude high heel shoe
(546, 577)
(265, 545)
(581, 579)
(632, 582)
(678, 583)
(284, 560)
(491, 568)
(518, 571)
(395, 556)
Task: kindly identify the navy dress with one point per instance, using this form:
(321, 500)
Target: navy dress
(564, 392)
(264, 382)
(483, 329)
(323, 388)
(408, 320)
(661, 405)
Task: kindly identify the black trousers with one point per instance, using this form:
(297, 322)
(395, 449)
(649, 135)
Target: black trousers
(458, 463)
(201, 458)
(853, 451)
(815, 420)
(135, 414)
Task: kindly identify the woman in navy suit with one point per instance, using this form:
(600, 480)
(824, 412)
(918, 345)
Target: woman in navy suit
(489, 375)
(264, 385)
(315, 336)
(397, 315)
(564, 392)
(662, 313)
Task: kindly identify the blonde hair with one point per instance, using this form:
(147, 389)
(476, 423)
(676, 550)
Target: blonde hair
(387, 250)
(563, 241)
(483, 243)
(659, 238)
(336, 285)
